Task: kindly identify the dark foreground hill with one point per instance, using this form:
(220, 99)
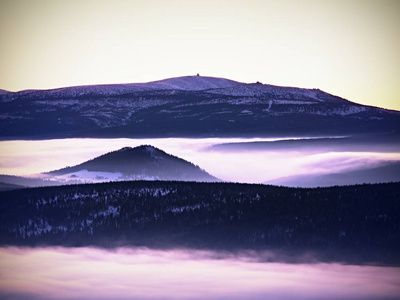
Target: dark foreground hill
(353, 224)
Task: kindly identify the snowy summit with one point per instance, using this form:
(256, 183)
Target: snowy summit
(192, 83)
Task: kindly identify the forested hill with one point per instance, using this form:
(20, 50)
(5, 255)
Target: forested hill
(355, 224)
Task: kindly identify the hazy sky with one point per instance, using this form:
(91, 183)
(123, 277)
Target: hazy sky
(348, 48)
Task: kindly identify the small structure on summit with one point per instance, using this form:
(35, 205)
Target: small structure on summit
(198, 74)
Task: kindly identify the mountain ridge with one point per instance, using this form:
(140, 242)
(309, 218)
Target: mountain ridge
(174, 83)
(185, 83)
(191, 106)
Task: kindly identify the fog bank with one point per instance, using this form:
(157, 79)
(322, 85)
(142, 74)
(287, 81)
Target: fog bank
(256, 160)
(88, 273)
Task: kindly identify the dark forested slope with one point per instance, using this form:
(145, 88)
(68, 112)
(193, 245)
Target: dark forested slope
(356, 224)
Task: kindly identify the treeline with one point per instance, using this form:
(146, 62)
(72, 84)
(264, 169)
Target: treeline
(356, 224)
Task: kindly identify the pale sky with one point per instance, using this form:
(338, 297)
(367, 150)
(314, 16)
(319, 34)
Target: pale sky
(349, 48)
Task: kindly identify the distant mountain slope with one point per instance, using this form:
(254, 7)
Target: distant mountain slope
(352, 224)
(361, 143)
(15, 182)
(9, 186)
(191, 106)
(390, 172)
(143, 162)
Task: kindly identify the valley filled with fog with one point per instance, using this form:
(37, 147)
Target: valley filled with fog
(200, 150)
(307, 161)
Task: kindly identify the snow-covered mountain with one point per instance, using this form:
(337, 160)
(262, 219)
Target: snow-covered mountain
(186, 106)
(188, 83)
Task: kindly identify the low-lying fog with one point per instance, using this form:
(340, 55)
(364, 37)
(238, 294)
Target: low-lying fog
(277, 161)
(88, 273)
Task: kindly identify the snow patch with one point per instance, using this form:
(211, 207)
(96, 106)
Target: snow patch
(265, 91)
(85, 176)
(192, 83)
